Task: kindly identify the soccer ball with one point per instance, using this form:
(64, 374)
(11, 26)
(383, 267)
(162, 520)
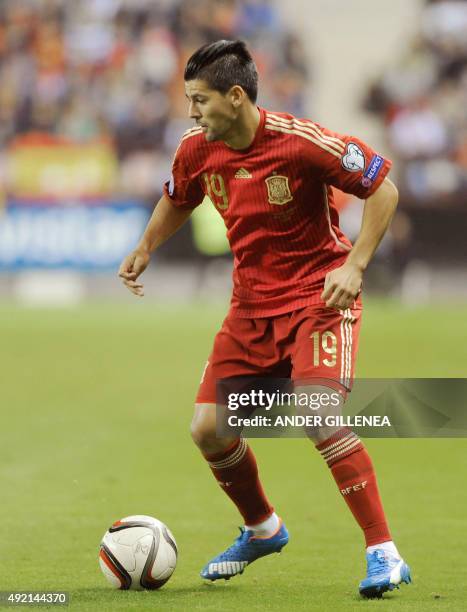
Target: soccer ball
(138, 552)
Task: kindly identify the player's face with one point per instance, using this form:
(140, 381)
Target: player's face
(212, 110)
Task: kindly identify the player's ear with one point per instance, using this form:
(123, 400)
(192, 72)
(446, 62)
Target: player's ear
(236, 96)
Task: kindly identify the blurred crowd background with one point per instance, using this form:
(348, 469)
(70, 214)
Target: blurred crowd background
(112, 71)
(422, 100)
(92, 106)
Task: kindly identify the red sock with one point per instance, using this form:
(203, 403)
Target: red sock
(236, 471)
(354, 474)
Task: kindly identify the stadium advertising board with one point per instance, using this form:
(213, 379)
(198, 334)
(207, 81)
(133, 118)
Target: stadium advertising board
(42, 166)
(69, 236)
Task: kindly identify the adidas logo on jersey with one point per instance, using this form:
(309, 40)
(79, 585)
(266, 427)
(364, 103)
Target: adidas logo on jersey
(243, 174)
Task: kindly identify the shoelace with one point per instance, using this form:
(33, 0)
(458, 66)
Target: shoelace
(377, 563)
(233, 550)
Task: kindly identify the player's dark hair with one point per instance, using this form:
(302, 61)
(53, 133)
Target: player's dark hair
(222, 65)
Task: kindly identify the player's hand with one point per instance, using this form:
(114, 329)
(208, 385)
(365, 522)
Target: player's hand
(342, 286)
(131, 267)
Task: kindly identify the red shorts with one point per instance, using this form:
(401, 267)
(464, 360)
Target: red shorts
(313, 342)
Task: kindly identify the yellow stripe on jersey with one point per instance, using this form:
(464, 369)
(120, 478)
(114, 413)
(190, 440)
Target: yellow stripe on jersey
(328, 217)
(285, 130)
(315, 127)
(192, 129)
(192, 132)
(309, 124)
(188, 134)
(346, 345)
(334, 143)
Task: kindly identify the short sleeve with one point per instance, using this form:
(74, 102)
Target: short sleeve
(348, 163)
(183, 189)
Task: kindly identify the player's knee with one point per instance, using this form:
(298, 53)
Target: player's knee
(203, 428)
(204, 432)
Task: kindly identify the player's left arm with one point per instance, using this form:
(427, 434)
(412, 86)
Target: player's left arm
(343, 284)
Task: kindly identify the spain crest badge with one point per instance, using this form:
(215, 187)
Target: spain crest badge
(278, 189)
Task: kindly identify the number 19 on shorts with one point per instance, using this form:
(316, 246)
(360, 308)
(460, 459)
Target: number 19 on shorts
(324, 348)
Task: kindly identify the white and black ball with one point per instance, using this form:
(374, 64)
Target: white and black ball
(138, 552)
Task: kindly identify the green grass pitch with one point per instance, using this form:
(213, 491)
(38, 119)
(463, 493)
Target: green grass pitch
(96, 403)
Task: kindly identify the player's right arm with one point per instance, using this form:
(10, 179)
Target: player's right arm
(182, 194)
(164, 222)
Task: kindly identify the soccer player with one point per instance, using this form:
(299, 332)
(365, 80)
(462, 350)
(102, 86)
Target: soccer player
(296, 304)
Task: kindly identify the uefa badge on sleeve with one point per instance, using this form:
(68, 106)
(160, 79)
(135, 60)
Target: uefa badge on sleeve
(353, 159)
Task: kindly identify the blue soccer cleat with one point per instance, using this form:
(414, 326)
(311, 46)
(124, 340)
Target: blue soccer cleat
(385, 572)
(246, 549)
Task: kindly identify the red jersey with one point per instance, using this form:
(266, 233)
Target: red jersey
(277, 203)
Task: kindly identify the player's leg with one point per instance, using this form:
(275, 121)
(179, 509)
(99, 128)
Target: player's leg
(326, 343)
(231, 460)
(233, 465)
